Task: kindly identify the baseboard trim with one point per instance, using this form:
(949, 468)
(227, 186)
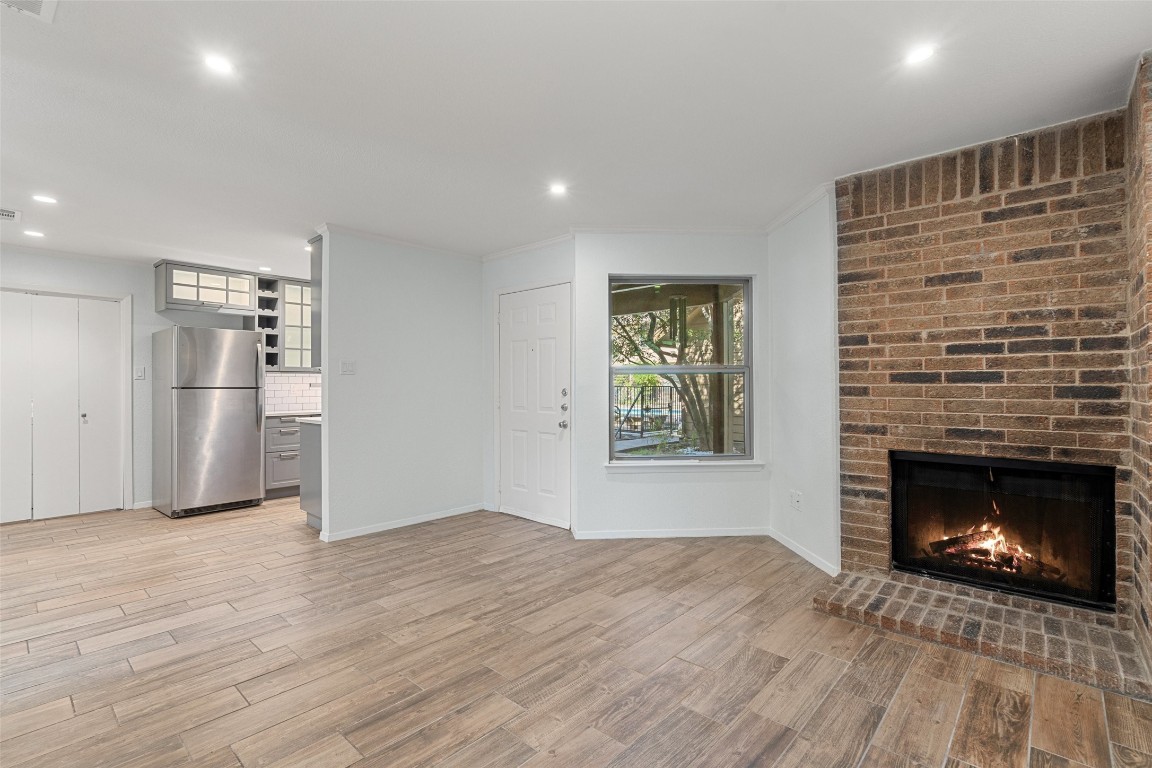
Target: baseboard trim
(142, 505)
(553, 521)
(805, 553)
(670, 533)
(329, 536)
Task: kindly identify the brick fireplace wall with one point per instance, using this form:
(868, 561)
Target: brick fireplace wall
(1140, 316)
(984, 307)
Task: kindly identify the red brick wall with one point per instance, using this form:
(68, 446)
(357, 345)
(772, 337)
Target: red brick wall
(984, 307)
(1140, 315)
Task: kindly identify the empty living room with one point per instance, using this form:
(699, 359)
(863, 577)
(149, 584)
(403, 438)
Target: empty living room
(522, 384)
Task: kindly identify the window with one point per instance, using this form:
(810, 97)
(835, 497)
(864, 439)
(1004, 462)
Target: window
(681, 368)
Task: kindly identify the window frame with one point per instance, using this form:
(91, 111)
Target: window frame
(745, 368)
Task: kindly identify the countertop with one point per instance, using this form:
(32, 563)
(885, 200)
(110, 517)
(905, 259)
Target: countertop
(276, 414)
(310, 420)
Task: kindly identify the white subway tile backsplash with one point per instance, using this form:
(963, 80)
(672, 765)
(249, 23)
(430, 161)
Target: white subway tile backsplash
(292, 392)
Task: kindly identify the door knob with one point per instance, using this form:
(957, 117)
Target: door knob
(563, 424)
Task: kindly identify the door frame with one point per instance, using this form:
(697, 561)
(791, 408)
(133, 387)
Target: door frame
(496, 412)
(127, 474)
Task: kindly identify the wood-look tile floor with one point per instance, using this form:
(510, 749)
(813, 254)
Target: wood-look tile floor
(483, 640)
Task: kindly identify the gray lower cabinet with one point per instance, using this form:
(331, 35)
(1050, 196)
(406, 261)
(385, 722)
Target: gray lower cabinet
(282, 452)
(311, 482)
(282, 469)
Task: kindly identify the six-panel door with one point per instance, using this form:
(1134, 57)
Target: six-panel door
(535, 415)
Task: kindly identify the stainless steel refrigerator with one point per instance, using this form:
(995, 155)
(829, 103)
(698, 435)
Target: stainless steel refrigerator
(207, 420)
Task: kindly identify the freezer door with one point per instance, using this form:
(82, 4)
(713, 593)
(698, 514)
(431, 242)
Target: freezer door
(216, 357)
(219, 447)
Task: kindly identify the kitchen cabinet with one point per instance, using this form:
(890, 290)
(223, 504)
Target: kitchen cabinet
(282, 453)
(316, 244)
(284, 314)
(282, 469)
(206, 289)
(311, 479)
(296, 317)
(267, 319)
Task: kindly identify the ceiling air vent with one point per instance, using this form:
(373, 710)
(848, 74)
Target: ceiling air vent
(44, 10)
(9, 216)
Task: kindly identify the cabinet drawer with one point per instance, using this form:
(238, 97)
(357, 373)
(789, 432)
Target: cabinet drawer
(281, 469)
(281, 437)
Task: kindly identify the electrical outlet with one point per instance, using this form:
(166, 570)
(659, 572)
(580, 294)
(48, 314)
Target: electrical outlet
(794, 498)
(347, 367)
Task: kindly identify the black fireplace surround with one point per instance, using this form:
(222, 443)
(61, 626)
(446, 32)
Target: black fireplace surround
(1035, 528)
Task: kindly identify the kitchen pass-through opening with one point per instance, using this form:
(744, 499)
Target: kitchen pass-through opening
(1035, 528)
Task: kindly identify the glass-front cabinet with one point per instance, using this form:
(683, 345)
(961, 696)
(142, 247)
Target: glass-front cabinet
(183, 286)
(296, 308)
(279, 307)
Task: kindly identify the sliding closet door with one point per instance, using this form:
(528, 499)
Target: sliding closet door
(100, 370)
(56, 392)
(15, 406)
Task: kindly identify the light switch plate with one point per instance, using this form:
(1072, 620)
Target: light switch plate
(347, 367)
(139, 373)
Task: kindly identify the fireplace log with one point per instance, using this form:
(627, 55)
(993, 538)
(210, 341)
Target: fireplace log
(963, 541)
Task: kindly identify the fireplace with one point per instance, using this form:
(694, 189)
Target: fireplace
(1035, 528)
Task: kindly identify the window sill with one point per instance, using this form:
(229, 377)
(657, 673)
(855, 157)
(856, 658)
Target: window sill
(653, 466)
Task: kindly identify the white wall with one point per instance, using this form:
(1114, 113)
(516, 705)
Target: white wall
(403, 437)
(803, 375)
(530, 267)
(694, 500)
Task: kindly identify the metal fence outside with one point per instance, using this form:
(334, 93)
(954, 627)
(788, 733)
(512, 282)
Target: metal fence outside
(641, 411)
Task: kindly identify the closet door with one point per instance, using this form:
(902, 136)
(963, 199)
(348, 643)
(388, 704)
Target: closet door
(101, 474)
(15, 406)
(55, 417)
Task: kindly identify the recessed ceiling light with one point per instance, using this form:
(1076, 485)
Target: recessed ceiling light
(218, 64)
(919, 54)
(265, 269)
(559, 190)
(43, 199)
(32, 233)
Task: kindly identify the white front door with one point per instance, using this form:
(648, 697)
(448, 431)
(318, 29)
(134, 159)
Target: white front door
(535, 394)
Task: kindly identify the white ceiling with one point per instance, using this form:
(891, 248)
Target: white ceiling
(444, 123)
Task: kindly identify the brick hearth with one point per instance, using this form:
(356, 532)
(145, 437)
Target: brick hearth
(1067, 642)
(994, 301)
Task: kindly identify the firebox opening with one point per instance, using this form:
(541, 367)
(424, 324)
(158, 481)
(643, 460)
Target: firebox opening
(1041, 529)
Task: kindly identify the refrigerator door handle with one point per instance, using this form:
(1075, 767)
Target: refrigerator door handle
(259, 388)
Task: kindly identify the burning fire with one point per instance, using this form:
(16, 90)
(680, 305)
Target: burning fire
(985, 546)
(988, 543)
